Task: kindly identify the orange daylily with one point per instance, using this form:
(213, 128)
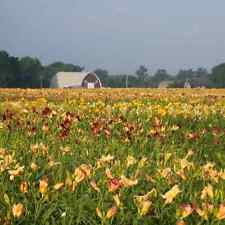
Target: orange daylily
(221, 212)
(43, 186)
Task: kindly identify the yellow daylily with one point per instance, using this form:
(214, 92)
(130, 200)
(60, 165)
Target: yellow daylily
(170, 195)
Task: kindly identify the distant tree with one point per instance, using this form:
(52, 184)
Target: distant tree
(159, 76)
(142, 72)
(201, 72)
(30, 71)
(218, 76)
(9, 68)
(103, 76)
(183, 75)
(50, 70)
(117, 81)
(132, 81)
(162, 74)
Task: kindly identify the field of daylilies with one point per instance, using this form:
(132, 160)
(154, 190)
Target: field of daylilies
(112, 156)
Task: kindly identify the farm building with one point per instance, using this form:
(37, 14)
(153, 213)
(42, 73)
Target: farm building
(165, 84)
(75, 80)
(187, 84)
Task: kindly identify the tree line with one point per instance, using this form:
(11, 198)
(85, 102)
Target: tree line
(29, 72)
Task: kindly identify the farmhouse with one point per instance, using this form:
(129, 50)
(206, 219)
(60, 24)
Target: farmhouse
(75, 80)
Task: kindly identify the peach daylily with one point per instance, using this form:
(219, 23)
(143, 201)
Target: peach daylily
(104, 160)
(18, 210)
(94, 186)
(111, 212)
(99, 213)
(33, 166)
(58, 186)
(108, 173)
(17, 172)
(128, 182)
(186, 210)
(24, 187)
(82, 172)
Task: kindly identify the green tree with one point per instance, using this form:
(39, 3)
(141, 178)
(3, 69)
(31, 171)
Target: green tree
(218, 75)
(9, 69)
(30, 72)
(159, 76)
(142, 72)
(103, 76)
(50, 70)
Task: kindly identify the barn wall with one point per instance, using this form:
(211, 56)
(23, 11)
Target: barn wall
(75, 80)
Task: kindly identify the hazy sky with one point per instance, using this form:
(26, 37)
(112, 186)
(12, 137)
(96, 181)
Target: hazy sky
(117, 35)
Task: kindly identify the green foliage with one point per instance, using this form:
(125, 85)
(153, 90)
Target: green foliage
(50, 70)
(28, 72)
(218, 75)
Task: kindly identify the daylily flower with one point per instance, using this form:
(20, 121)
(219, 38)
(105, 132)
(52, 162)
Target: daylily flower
(128, 182)
(99, 213)
(221, 212)
(58, 186)
(114, 185)
(130, 160)
(111, 212)
(18, 210)
(108, 173)
(207, 192)
(33, 166)
(144, 202)
(180, 222)
(104, 160)
(205, 210)
(24, 187)
(17, 172)
(43, 186)
(186, 210)
(94, 186)
(82, 172)
(116, 198)
(171, 194)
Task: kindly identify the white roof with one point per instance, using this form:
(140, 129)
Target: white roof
(68, 79)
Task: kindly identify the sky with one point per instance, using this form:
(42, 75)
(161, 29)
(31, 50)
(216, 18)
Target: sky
(117, 35)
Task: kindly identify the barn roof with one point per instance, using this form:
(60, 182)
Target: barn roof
(69, 79)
